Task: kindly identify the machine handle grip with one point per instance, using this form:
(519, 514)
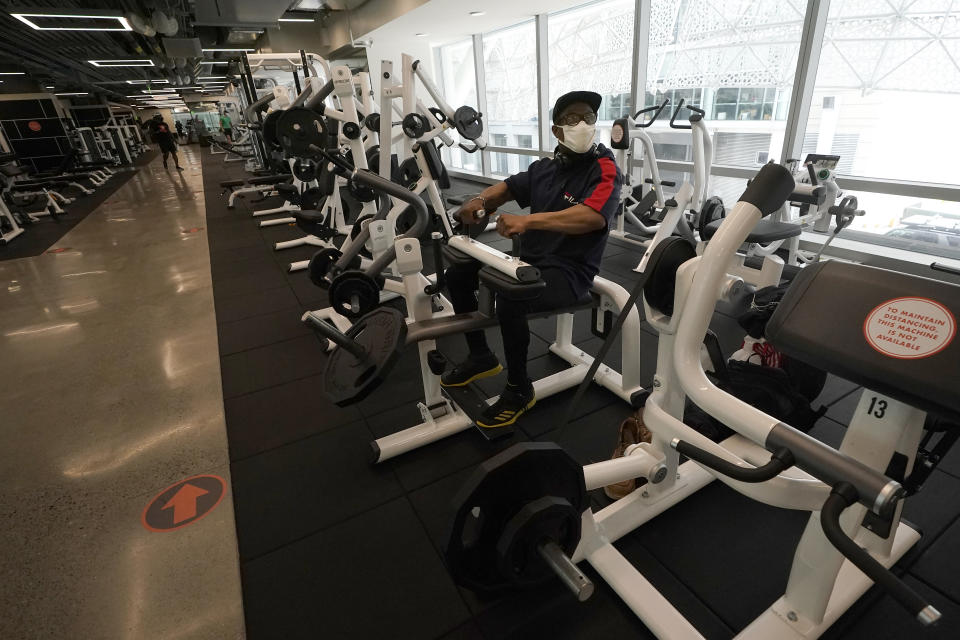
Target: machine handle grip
(813, 174)
(770, 188)
(657, 108)
(782, 459)
(842, 496)
(676, 112)
(937, 266)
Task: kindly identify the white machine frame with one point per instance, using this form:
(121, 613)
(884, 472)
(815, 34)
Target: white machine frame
(822, 583)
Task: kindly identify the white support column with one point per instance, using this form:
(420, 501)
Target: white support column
(479, 71)
(543, 82)
(808, 61)
(641, 45)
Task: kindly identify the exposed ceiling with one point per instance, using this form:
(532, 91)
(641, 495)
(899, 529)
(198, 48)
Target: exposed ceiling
(167, 33)
(445, 21)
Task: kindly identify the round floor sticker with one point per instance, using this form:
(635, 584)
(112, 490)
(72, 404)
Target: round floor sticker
(183, 503)
(909, 328)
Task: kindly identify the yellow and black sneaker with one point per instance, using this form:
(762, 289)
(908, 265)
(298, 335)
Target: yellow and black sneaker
(472, 369)
(511, 404)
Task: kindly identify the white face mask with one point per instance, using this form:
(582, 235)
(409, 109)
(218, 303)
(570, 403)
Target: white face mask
(578, 138)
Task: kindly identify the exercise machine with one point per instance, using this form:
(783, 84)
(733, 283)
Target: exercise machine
(540, 523)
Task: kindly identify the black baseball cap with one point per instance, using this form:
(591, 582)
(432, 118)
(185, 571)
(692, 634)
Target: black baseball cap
(564, 101)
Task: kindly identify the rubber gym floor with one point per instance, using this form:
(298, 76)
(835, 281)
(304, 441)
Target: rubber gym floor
(334, 547)
(44, 234)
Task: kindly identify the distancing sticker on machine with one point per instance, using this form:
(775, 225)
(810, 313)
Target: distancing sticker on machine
(909, 328)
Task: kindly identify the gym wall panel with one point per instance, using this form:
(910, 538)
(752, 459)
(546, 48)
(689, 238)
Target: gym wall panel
(41, 146)
(19, 109)
(40, 128)
(36, 148)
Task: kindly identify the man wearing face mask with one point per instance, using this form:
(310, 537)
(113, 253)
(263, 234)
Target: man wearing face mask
(572, 198)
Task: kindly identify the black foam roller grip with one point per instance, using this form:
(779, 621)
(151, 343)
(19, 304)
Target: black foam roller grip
(770, 188)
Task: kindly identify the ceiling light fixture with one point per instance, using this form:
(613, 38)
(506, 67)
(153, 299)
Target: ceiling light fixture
(86, 14)
(214, 62)
(141, 62)
(147, 81)
(229, 49)
(74, 93)
(212, 78)
(13, 73)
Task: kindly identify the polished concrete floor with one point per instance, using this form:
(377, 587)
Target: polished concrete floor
(110, 393)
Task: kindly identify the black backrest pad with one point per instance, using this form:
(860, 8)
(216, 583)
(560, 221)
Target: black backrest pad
(890, 332)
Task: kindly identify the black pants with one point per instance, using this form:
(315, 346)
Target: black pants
(462, 282)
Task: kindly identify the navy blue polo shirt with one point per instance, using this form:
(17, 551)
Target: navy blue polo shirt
(593, 179)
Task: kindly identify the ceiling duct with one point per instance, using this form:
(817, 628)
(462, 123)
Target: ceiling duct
(163, 24)
(244, 36)
(141, 25)
(182, 47)
(239, 13)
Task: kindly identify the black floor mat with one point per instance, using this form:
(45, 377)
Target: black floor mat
(44, 234)
(334, 547)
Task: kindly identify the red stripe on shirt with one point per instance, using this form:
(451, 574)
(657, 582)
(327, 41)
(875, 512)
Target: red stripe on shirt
(608, 171)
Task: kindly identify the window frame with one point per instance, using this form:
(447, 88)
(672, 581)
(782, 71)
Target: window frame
(795, 100)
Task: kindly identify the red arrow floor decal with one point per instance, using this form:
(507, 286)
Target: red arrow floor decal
(183, 503)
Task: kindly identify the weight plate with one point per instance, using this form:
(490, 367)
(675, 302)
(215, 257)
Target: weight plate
(320, 264)
(372, 122)
(300, 127)
(546, 518)
(269, 129)
(382, 334)
(711, 210)
(414, 125)
(438, 114)
(353, 294)
(469, 122)
(373, 158)
(662, 267)
(351, 130)
(507, 489)
(408, 173)
(312, 199)
(355, 231)
(305, 170)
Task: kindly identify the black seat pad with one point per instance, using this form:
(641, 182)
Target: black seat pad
(457, 200)
(229, 184)
(766, 231)
(833, 317)
(310, 216)
(507, 287)
(275, 179)
(661, 270)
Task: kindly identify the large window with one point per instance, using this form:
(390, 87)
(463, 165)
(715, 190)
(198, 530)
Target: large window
(458, 81)
(887, 89)
(734, 60)
(510, 68)
(883, 95)
(591, 48)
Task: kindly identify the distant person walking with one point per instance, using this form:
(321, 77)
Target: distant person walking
(226, 126)
(160, 131)
(179, 130)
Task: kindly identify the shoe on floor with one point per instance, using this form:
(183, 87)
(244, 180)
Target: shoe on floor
(632, 431)
(470, 370)
(512, 403)
(179, 168)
